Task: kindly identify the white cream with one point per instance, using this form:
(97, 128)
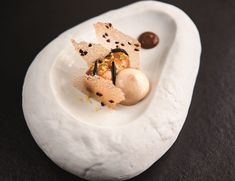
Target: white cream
(134, 84)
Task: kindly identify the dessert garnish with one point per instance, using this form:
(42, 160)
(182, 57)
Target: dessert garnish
(148, 40)
(134, 85)
(113, 74)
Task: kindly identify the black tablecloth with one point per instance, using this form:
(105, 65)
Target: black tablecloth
(205, 148)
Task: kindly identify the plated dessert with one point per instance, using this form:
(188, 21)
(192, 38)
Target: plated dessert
(143, 76)
(114, 75)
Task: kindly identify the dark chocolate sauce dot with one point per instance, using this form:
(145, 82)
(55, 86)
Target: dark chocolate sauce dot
(148, 40)
(106, 34)
(136, 49)
(129, 43)
(89, 45)
(108, 40)
(102, 104)
(122, 44)
(116, 42)
(111, 101)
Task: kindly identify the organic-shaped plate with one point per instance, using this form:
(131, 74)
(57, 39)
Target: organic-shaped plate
(100, 143)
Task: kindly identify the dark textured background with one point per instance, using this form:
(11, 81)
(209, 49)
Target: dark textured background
(205, 149)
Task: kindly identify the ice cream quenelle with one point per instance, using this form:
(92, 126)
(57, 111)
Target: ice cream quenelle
(113, 76)
(134, 84)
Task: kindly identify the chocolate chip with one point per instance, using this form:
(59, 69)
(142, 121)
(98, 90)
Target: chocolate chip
(111, 101)
(99, 94)
(82, 53)
(129, 43)
(136, 49)
(85, 52)
(102, 104)
(103, 36)
(117, 46)
(108, 40)
(137, 45)
(116, 42)
(110, 25)
(89, 45)
(122, 44)
(107, 26)
(106, 34)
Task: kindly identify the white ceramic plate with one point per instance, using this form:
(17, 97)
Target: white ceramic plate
(113, 144)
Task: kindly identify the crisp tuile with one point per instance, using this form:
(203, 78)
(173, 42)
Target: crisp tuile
(90, 52)
(103, 90)
(111, 38)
